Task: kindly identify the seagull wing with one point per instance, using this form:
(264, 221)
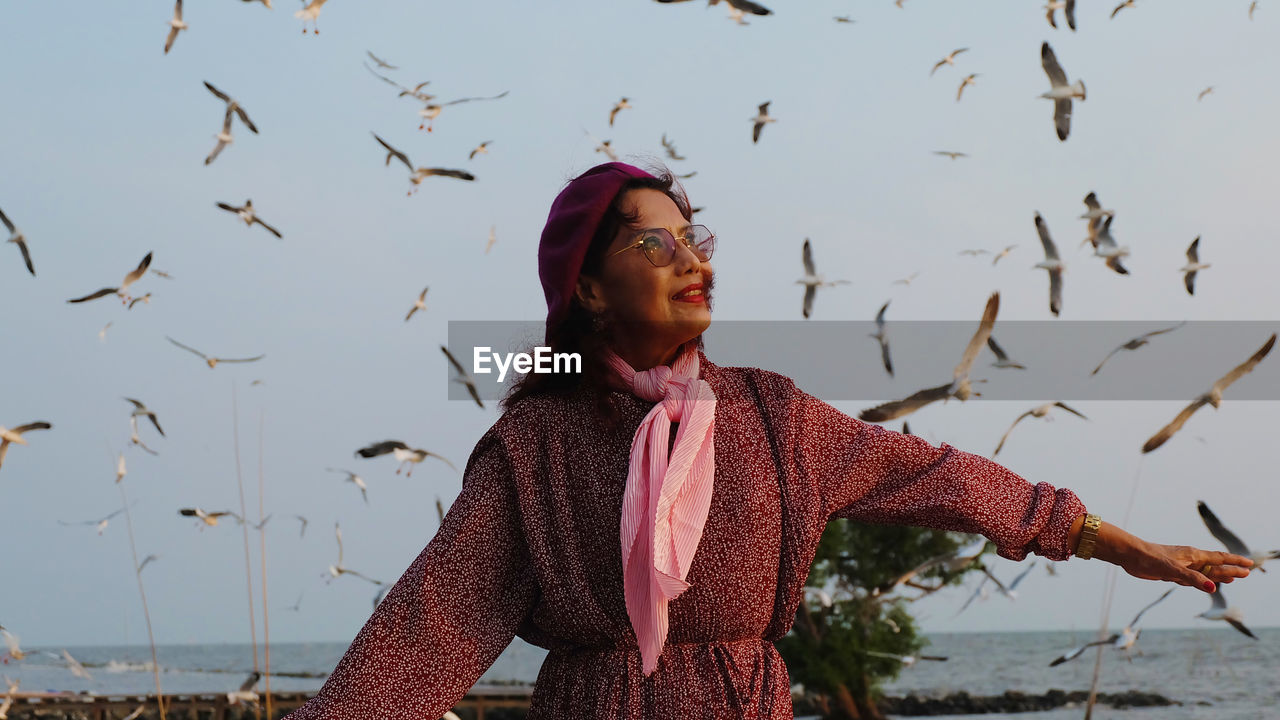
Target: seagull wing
(1073, 412)
(899, 408)
(806, 254)
(460, 174)
(755, 131)
(884, 356)
(7, 223)
(1246, 366)
(453, 361)
(475, 394)
(469, 99)
(749, 6)
(1105, 359)
(255, 358)
(809, 292)
(394, 152)
(1022, 574)
(1051, 67)
(1240, 626)
(1050, 250)
(244, 118)
(137, 272)
(1193, 255)
(1062, 117)
(1133, 623)
(26, 255)
(441, 458)
(1219, 531)
(937, 65)
(94, 296)
(270, 229)
(980, 337)
(1075, 653)
(186, 347)
(1189, 280)
(1168, 430)
(221, 95)
(999, 352)
(381, 448)
(1006, 432)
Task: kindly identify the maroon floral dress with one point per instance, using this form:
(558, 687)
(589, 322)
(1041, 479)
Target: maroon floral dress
(531, 548)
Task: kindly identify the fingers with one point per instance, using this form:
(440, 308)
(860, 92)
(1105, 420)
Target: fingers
(1224, 558)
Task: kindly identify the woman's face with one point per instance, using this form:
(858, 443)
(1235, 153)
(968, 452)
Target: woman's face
(656, 308)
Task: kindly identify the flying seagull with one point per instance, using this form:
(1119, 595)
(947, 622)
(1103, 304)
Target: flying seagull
(883, 339)
(965, 83)
(1096, 211)
(303, 529)
(1193, 266)
(401, 452)
(481, 149)
(671, 149)
(310, 12)
(1002, 360)
(339, 569)
(950, 59)
(208, 518)
(462, 377)
(812, 280)
(1002, 254)
(175, 25)
(213, 361)
(100, 523)
(959, 387)
(1039, 411)
(1122, 640)
(233, 106)
(762, 117)
(1068, 8)
(1204, 92)
(356, 480)
(129, 279)
(1051, 263)
(417, 175)
(247, 214)
(1135, 343)
(621, 105)
(419, 304)
(1060, 92)
(1105, 246)
(1232, 615)
(746, 6)
(1010, 591)
(1212, 397)
(950, 154)
(431, 111)
(381, 63)
(224, 138)
(1121, 6)
(1232, 542)
(141, 410)
(17, 238)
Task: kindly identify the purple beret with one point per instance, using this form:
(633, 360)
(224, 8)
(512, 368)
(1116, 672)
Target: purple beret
(575, 216)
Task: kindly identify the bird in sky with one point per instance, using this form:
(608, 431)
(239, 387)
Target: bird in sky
(17, 238)
(356, 480)
(419, 304)
(13, 436)
(1233, 616)
(481, 149)
(233, 106)
(960, 385)
(310, 12)
(1053, 264)
(758, 122)
(1060, 92)
(1204, 92)
(462, 377)
(1039, 411)
(1230, 540)
(949, 59)
(213, 361)
(1068, 8)
(380, 62)
(224, 138)
(175, 26)
(249, 216)
(99, 524)
(964, 84)
(1121, 6)
(1123, 640)
(1211, 397)
(338, 570)
(618, 107)
(141, 410)
(129, 279)
(950, 154)
(1135, 343)
(1105, 246)
(671, 149)
(1002, 359)
(812, 280)
(402, 453)
(208, 518)
(883, 339)
(1193, 266)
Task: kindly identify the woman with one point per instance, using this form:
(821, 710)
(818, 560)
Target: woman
(659, 571)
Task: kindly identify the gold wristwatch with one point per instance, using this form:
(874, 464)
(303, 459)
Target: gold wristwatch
(1088, 536)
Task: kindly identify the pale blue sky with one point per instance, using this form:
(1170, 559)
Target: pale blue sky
(105, 138)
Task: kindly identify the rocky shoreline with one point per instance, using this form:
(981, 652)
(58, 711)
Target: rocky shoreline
(962, 703)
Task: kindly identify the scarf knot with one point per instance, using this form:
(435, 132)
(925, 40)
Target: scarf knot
(666, 499)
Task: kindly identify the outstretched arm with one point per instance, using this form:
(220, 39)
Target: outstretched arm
(1181, 564)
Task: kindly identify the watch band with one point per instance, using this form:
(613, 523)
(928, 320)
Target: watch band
(1088, 536)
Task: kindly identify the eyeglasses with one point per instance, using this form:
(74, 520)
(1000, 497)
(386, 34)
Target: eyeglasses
(659, 244)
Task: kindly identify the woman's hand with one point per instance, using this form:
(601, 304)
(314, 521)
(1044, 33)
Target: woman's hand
(1181, 564)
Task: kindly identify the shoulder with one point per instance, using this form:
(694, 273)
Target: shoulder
(775, 390)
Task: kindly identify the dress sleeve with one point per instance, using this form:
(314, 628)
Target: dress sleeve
(870, 474)
(448, 617)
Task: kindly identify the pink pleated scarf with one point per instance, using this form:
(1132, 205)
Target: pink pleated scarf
(665, 503)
